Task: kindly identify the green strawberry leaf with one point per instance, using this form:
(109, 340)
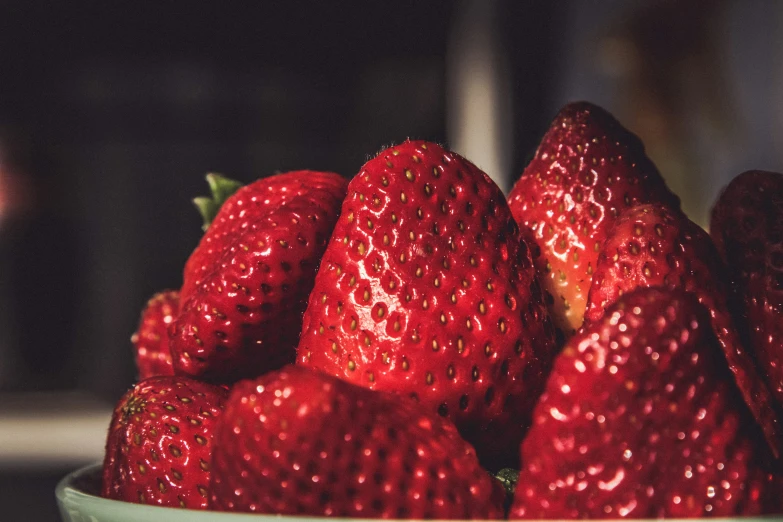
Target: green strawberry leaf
(222, 188)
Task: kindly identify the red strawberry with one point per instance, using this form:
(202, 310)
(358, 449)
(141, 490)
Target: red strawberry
(299, 442)
(586, 170)
(254, 269)
(160, 442)
(425, 290)
(649, 245)
(151, 340)
(641, 418)
(747, 225)
(763, 316)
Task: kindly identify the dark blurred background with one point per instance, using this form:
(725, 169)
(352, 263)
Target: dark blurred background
(111, 115)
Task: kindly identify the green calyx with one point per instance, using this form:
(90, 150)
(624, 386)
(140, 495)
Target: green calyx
(222, 188)
(509, 478)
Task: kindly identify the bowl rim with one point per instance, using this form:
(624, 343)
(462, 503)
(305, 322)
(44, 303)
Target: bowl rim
(67, 492)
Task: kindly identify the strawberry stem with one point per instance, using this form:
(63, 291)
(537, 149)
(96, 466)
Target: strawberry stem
(222, 188)
(508, 477)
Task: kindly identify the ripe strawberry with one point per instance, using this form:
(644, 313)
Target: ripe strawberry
(160, 442)
(763, 317)
(641, 418)
(299, 442)
(151, 340)
(253, 271)
(649, 245)
(586, 170)
(426, 290)
(747, 225)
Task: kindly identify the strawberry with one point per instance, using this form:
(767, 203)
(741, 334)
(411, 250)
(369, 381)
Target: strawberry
(300, 442)
(425, 290)
(151, 339)
(159, 445)
(246, 284)
(747, 225)
(650, 245)
(586, 170)
(641, 418)
(763, 316)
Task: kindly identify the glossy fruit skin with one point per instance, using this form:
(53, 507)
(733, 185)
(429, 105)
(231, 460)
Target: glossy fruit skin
(763, 308)
(641, 419)
(159, 445)
(586, 170)
(747, 226)
(151, 339)
(300, 442)
(426, 291)
(246, 284)
(650, 245)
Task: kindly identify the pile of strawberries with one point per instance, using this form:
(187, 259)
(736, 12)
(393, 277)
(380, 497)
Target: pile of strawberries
(384, 347)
